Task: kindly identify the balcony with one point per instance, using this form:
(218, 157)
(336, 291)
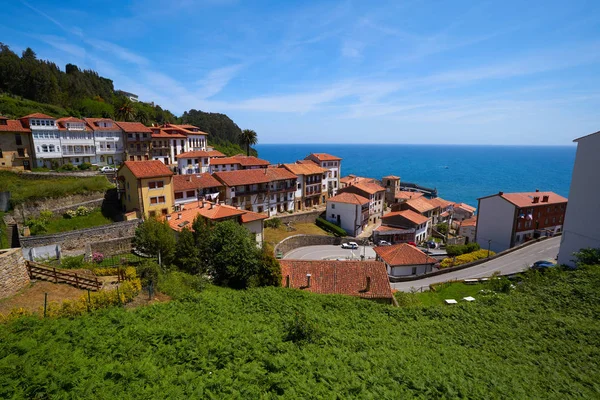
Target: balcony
(103, 150)
(83, 152)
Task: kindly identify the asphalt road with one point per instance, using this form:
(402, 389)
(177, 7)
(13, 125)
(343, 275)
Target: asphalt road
(329, 252)
(516, 261)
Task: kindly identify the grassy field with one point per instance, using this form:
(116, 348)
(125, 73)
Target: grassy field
(542, 340)
(23, 189)
(61, 224)
(454, 291)
(274, 236)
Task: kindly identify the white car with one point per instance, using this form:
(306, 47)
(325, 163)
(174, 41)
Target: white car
(350, 245)
(384, 243)
(107, 168)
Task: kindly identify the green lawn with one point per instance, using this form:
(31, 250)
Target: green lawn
(455, 291)
(61, 224)
(276, 235)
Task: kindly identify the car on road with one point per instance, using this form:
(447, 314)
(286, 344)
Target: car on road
(107, 168)
(384, 243)
(350, 245)
(431, 244)
(542, 265)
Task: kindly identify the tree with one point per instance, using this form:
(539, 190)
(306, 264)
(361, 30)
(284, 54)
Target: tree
(249, 138)
(442, 228)
(269, 270)
(587, 256)
(155, 238)
(141, 116)
(124, 110)
(186, 253)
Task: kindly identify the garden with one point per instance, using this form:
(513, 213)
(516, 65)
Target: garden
(83, 217)
(275, 231)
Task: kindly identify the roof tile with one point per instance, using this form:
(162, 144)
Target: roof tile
(403, 254)
(147, 169)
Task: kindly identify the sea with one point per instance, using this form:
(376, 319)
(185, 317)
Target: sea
(460, 173)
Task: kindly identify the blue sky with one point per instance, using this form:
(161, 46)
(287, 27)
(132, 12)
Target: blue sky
(460, 72)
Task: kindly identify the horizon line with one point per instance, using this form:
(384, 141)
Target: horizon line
(419, 144)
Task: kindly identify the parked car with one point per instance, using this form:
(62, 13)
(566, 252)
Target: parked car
(431, 244)
(350, 245)
(107, 168)
(384, 243)
(542, 265)
(412, 244)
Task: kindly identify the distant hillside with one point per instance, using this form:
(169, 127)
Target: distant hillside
(29, 85)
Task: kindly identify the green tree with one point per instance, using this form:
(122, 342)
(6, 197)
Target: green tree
(269, 270)
(249, 138)
(155, 238)
(442, 228)
(124, 110)
(587, 256)
(141, 116)
(186, 253)
(202, 228)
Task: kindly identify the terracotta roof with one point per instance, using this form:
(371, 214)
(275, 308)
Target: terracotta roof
(133, 127)
(338, 277)
(214, 212)
(369, 187)
(253, 176)
(147, 169)
(189, 129)
(465, 207)
(404, 195)
(187, 126)
(403, 254)
(13, 125)
(93, 124)
(420, 204)
(304, 169)
(193, 181)
(469, 222)
(1, 117)
(525, 199)
(200, 153)
(384, 228)
(70, 119)
(37, 116)
(391, 177)
(349, 198)
(409, 215)
(245, 161)
(323, 157)
(165, 135)
(439, 202)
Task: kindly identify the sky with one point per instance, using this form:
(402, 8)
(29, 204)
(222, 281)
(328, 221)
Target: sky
(421, 72)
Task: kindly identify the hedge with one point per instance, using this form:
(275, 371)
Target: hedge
(460, 249)
(329, 227)
(465, 258)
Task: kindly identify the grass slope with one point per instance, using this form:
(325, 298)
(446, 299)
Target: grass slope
(541, 341)
(60, 224)
(276, 235)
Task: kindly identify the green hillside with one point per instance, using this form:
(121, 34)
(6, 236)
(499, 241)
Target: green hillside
(540, 341)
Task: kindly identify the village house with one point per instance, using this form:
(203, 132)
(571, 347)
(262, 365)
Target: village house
(402, 227)
(422, 206)
(333, 167)
(353, 179)
(444, 208)
(405, 260)
(505, 220)
(374, 193)
(581, 226)
(46, 139)
(196, 161)
(77, 141)
(146, 187)
(350, 211)
(190, 188)
(462, 211)
(269, 190)
(467, 229)
(184, 218)
(364, 279)
(309, 189)
(108, 140)
(15, 145)
(138, 140)
(237, 162)
(403, 195)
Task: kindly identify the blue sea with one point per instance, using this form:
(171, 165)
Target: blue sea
(460, 173)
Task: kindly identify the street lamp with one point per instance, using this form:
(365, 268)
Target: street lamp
(489, 243)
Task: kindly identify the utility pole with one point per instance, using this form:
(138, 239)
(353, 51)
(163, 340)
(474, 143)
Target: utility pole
(489, 243)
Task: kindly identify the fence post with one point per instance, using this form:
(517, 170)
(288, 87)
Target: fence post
(45, 303)
(77, 281)
(55, 276)
(118, 296)
(89, 300)
(97, 284)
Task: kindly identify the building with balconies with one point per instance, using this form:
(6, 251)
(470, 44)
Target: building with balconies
(374, 193)
(237, 162)
(309, 190)
(76, 140)
(402, 227)
(138, 140)
(15, 145)
(333, 167)
(349, 211)
(108, 139)
(196, 187)
(46, 139)
(197, 161)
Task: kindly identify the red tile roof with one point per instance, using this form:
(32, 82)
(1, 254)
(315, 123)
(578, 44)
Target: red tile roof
(525, 199)
(304, 169)
(160, 134)
(93, 124)
(391, 177)
(439, 202)
(38, 116)
(404, 195)
(214, 212)
(469, 222)
(421, 205)
(192, 181)
(403, 254)
(245, 161)
(369, 187)
(200, 153)
(465, 207)
(147, 169)
(338, 277)
(409, 215)
(13, 125)
(133, 127)
(348, 198)
(253, 176)
(70, 119)
(323, 157)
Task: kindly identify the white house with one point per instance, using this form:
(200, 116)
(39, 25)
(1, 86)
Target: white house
(582, 220)
(108, 139)
(237, 162)
(167, 144)
(405, 260)
(467, 229)
(76, 140)
(375, 194)
(402, 227)
(333, 166)
(196, 161)
(46, 139)
(350, 211)
(192, 188)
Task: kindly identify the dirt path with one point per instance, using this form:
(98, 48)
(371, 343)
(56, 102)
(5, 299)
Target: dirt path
(32, 297)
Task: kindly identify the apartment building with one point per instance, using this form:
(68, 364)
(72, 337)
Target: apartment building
(196, 161)
(196, 187)
(46, 139)
(77, 141)
(146, 187)
(237, 162)
(138, 140)
(333, 167)
(349, 211)
(421, 206)
(309, 186)
(373, 192)
(15, 145)
(402, 227)
(108, 140)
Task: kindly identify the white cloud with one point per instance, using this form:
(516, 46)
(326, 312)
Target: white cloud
(216, 80)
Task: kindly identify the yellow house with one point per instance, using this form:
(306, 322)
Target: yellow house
(15, 145)
(146, 187)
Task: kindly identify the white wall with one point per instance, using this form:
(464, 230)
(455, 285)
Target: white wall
(407, 270)
(495, 221)
(581, 228)
(349, 216)
(256, 227)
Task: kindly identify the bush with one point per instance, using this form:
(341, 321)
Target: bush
(39, 225)
(442, 228)
(465, 258)
(67, 167)
(180, 285)
(148, 271)
(128, 272)
(85, 166)
(273, 223)
(97, 257)
(301, 329)
(459, 249)
(329, 227)
(75, 262)
(587, 256)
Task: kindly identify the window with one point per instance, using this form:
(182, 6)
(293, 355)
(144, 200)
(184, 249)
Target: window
(299, 186)
(1, 155)
(178, 195)
(157, 200)
(18, 139)
(152, 214)
(332, 215)
(190, 193)
(546, 222)
(156, 184)
(20, 152)
(44, 148)
(333, 206)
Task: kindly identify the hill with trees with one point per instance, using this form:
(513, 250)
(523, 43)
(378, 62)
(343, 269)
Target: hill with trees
(28, 85)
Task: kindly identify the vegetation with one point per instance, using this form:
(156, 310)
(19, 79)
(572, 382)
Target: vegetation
(457, 250)
(587, 256)
(277, 342)
(274, 223)
(25, 187)
(248, 138)
(155, 238)
(449, 290)
(276, 235)
(47, 223)
(442, 228)
(330, 227)
(4, 239)
(465, 258)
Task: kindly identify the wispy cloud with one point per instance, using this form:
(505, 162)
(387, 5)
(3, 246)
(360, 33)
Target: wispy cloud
(216, 80)
(120, 52)
(63, 45)
(75, 31)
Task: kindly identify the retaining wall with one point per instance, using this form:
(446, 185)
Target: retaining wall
(297, 241)
(13, 272)
(57, 205)
(300, 218)
(111, 247)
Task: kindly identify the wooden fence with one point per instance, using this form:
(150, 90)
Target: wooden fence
(41, 271)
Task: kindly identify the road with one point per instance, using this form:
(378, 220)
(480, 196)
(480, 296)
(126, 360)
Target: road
(516, 261)
(329, 252)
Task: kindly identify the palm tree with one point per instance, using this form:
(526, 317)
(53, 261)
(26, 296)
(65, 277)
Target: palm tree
(124, 111)
(249, 138)
(142, 116)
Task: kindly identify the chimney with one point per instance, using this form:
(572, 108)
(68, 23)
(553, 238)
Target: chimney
(168, 217)
(210, 205)
(287, 281)
(202, 206)
(500, 193)
(178, 215)
(536, 199)
(537, 190)
(189, 178)
(308, 280)
(368, 284)
(545, 199)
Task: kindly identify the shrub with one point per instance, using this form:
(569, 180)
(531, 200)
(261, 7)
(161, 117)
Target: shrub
(329, 227)
(301, 329)
(148, 271)
(587, 256)
(128, 272)
(79, 212)
(442, 228)
(465, 258)
(179, 285)
(85, 166)
(75, 262)
(97, 257)
(459, 249)
(39, 225)
(67, 167)
(273, 223)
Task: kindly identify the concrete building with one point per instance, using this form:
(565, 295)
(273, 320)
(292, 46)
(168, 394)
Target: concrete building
(405, 260)
(505, 220)
(237, 162)
(349, 211)
(15, 145)
(402, 227)
(46, 139)
(424, 207)
(309, 189)
(108, 140)
(374, 193)
(333, 167)
(467, 228)
(193, 188)
(582, 220)
(462, 211)
(146, 187)
(77, 141)
(196, 161)
(392, 188)
(138, 140)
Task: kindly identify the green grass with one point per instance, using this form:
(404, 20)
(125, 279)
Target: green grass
(4, 242)
(276, 235)
(61, 224)
(25, 187)
(454, 291)
(540, 341)
(15, 107)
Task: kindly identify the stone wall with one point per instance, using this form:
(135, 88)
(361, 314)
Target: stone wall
(297, 241)
(13, 272)
(301, 218)
(111, 247)
(59, 205)
(77, 240)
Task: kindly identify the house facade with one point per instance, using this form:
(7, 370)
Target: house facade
(196, 161)
(333, 167)
(467, 229)
(15, 145)
(77, 141)
(193, 188)
(138, 140)
(375, 194)
(146, 187)
(505, 220)
(402, 227)
(46, 139)
(167, 143)
(405, 260)
(108, 140)
(237, 162)
(424, 207)
(581, 225)
(391, 183)
(309, 186)
(349, 211)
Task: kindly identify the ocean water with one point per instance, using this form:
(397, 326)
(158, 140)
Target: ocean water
(460, 173)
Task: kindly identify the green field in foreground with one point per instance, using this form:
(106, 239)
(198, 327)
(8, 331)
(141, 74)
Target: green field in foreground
(542, 340)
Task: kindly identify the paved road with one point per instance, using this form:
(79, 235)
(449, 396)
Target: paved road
(329, 252)
(516, 261)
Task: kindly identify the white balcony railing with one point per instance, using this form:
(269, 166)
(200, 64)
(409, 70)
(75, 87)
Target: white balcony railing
(88, 152)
